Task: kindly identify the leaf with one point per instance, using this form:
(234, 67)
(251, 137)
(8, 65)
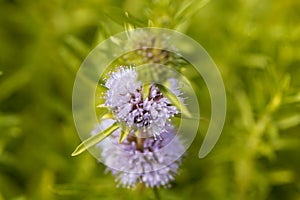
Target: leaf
(78, 46)
(123, 134)
(101, 106)
(289, 122)
(116, 40)
(9, 84)
(119, 16)
(175, 101)
(146, 88)
(246, 118)
(180, 116)
(281, 177)
(293, 99)
(95, 139)
(107, 116)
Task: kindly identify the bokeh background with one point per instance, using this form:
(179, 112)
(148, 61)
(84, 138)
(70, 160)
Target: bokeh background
(255, 44)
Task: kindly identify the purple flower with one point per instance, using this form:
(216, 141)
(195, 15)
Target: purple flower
(141, 160)
(149, 114)
(140, 157)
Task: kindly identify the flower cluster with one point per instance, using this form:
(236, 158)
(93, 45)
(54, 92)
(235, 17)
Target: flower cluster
(155, 163)
(125, 99)
(151, 151)
(149, 48)
(155, 49)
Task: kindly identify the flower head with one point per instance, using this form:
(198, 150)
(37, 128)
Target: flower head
(124, 97)
(155, 163)
(124, 92)
(149, 47)
(155, 48)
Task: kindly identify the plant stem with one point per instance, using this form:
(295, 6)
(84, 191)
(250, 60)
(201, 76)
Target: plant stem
(156, 193)
(140, 141)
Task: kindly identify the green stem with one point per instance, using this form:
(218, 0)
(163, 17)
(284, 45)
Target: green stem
(156, 193)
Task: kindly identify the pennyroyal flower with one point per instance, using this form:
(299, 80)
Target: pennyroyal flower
(150, 114)
(154, 164)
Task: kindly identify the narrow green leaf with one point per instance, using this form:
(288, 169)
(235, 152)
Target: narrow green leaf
(107, 116)
(146, 88)
(293, 99)
(123, 134)
(101, 106)
(281, 177)
(9, 84)
(116, 40)
(95, 139)
(77, 45)
(289, 122)
(137, 133)
(175, 101)
(180, 116)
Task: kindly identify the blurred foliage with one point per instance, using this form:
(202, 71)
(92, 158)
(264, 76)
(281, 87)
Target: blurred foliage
(254, 43)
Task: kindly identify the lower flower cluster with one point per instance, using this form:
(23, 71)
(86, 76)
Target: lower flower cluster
(152, 164)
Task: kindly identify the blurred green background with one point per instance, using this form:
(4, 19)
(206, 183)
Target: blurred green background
(255, 44)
